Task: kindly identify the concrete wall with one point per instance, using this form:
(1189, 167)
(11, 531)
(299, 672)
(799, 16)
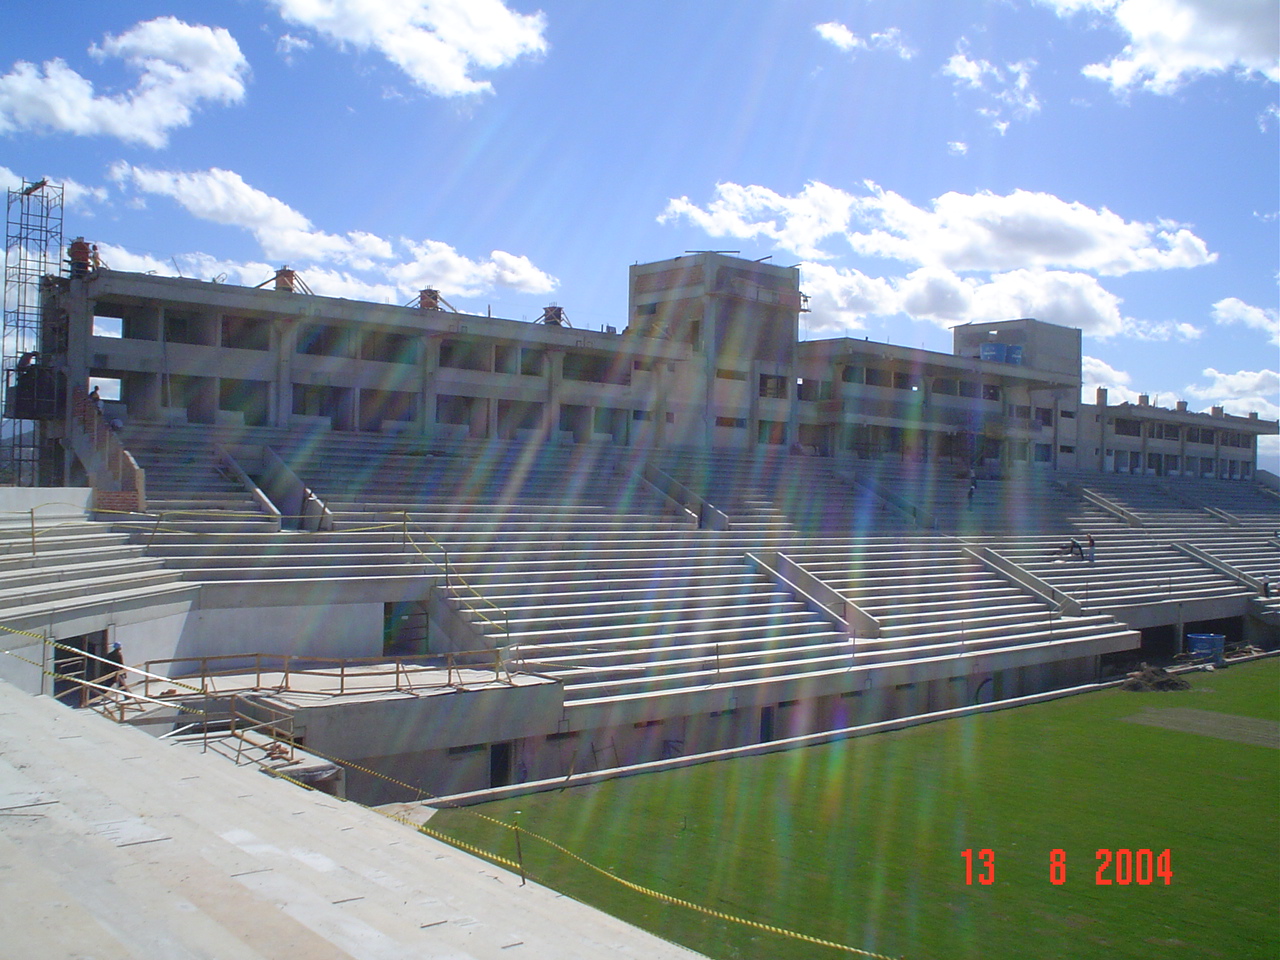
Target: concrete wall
(429, 741)
(336, 630)
(50, 503)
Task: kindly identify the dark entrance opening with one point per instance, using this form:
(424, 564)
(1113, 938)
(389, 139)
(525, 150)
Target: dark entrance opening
(500, 764)
(766, 724)
(69, 666)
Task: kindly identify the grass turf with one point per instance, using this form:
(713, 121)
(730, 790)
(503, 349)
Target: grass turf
(860, 842)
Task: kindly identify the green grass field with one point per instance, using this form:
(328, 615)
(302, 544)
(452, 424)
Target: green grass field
(860, 842)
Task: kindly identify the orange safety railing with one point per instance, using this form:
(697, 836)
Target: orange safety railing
(406, 673)
(278, 727)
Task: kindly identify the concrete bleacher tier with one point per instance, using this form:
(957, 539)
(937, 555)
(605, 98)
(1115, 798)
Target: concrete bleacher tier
(575, 564)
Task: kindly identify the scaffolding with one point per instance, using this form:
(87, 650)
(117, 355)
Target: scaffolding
(33, 250)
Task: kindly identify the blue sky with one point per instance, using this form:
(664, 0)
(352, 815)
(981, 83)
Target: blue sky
(1108, 164)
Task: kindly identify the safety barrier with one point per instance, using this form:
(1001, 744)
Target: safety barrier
(407, 673)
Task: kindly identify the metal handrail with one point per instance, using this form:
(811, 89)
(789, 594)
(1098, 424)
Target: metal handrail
(504, 626)
(271, 723)
(402, 669)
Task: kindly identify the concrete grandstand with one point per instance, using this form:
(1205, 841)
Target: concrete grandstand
(458, 552)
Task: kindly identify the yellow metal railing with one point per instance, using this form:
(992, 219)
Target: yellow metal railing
(467, 590)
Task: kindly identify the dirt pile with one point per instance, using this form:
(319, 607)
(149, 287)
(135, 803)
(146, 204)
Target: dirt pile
(1149, 678)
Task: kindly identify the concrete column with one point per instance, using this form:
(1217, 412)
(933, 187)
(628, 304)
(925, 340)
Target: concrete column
(554, 373)
(284, 340)
(429, 363)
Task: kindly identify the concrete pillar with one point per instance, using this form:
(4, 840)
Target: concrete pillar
(284, 340)
(554, 372)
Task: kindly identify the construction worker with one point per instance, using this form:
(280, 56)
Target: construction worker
(80, 256)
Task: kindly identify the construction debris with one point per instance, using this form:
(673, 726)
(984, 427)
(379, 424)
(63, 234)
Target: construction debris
(1147, 678)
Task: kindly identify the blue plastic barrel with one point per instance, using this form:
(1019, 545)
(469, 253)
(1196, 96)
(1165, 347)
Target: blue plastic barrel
(1206, 646)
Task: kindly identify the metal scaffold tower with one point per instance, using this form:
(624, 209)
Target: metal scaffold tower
(33, 250)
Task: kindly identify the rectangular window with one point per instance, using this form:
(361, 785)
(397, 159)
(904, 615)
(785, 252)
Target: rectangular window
(596, 368)
(1127, 428)
(1044, 416)
(968, 388)
(531, 362)
(810, 389)
(464, 355)
(904, 381)
(772, 432)
(991, 391)
(944, 385)
(388, 347)
(1170, 462)
(1022, 412)
(722, 374)
(324, 340)
(1067, 414)
(641, 415)
(1065, 448)
(877, 378)
(771, 386)
(1044, 453)
(851, 374)
(734, 423)
(240, 333)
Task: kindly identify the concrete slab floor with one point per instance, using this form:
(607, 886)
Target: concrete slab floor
(116, 845)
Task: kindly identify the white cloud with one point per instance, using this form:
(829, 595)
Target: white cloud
(1268, 116)
(976, 257)
(1174, 41)
(181, 65)
(843, 38)
(1241, 393)
(1007, 88)
(1055, 296)
(1096, 373)
(288, 45)
(436, 43)
(965, 232)
(436, 264)
(957, 148)
(1233, 310)
(796, 223)
(223, 197)
(840, 299)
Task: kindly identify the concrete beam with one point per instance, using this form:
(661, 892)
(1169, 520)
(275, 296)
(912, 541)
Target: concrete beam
(1021, 577)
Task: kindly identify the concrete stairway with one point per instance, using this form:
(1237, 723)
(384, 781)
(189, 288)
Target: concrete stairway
(186, 485)
(781, 494)
(933, 599)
